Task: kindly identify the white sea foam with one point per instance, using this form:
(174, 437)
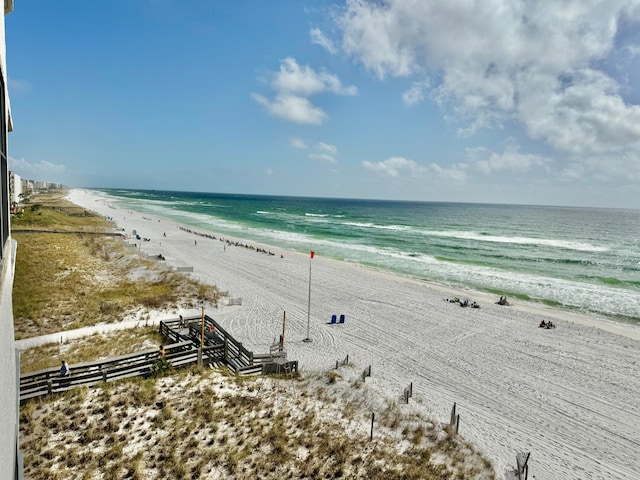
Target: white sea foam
(373, 225)
(585, 247)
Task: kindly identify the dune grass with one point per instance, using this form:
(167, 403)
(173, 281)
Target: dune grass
(94, 347)
(202, 424)
(51, 211)
(70, 280)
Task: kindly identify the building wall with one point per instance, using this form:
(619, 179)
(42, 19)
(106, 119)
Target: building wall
(9, 394)
(10, 467)
(27, 185)
(15, 188)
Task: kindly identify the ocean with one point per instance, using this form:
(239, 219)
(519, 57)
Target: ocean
(578, 259)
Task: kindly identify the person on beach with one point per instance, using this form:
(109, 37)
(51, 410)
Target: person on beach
(64, 369)
(161, 352)
(181, 324)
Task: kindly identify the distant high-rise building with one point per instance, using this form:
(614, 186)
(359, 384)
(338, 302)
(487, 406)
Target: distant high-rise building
(15, 188)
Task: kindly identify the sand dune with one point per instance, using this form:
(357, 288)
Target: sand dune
(568, 395)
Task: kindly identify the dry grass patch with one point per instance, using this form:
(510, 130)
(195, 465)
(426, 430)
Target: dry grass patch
(69, 280)
(51, 211)
(91, 348)
(203, 424)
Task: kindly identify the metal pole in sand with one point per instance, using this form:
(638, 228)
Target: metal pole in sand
(308, 339)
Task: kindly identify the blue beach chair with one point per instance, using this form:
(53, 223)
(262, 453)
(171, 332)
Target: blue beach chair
(341, 318)
(333, 318)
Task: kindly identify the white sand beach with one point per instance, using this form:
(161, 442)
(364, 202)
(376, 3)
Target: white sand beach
(569, 395)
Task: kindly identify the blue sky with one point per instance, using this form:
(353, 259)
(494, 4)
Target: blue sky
(486, 101)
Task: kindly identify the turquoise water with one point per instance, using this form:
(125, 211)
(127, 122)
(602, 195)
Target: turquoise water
(582, 259)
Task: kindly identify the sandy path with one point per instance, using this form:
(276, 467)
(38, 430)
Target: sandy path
(567, 395)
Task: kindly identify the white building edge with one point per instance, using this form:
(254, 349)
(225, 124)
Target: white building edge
(10, 457)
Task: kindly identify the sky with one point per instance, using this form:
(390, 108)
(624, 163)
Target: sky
(491, 101)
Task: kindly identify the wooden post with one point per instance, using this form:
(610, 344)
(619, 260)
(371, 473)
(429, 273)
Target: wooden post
(202, 333)
(373, 417)
(200, 357)
(226, 349)
(284, 322)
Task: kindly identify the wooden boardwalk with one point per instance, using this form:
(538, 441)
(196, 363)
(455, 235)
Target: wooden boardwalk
(183, 349)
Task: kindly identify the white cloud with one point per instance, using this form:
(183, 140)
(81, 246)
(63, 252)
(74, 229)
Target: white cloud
(325, 157)
(511, 160)
(493, 62)
(396, 167)
(298, 143)
(415, 94)
(43, 170)
(319, 38)
(293, 84)
(457, 173)
(303, 80)
(324, 152)
(268, 171)
(393, 166)
(325, 147)
(293, 108)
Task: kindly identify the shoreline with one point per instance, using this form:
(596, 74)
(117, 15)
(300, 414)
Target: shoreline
(508, 376)
(590, 320)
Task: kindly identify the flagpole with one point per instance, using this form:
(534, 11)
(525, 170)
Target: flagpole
(308, 339)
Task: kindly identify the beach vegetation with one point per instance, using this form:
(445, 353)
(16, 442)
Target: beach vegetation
(91, 348)
(85, 276)
(173, 427)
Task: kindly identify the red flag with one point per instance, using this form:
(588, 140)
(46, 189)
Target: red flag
(312, 253)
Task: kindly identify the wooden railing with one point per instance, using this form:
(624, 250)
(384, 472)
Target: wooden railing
(219, 348)
(236, 355)
(48, 381)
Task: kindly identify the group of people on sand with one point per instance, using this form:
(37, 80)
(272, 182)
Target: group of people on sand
(548, 324)
(502, 301)
(463, 303)
(227, 242)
